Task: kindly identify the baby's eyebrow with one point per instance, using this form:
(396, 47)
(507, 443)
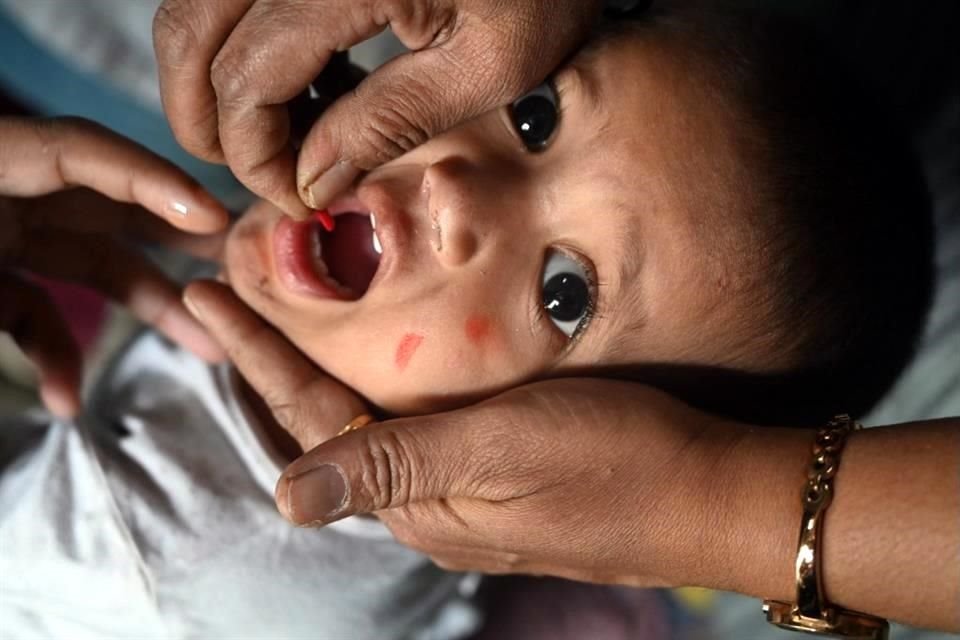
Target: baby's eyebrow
(587, 85)
(631, 261)
(620, 298)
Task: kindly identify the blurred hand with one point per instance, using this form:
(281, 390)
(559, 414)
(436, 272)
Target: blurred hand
(67, 188)
(228, 70)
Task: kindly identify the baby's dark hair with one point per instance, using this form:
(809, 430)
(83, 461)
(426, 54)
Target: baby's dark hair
(840, 207)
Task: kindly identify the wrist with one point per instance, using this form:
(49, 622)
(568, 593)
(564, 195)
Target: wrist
(727, 515)
(752, 507)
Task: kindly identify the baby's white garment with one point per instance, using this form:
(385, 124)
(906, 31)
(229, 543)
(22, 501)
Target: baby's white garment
(153, 517)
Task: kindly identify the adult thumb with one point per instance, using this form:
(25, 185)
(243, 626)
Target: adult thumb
(381, 466)
(488, 61)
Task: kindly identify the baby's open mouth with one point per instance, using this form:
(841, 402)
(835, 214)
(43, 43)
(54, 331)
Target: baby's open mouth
(349, 254)
(340, 263)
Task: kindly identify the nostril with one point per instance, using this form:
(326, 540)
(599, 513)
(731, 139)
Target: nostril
(436, 232)
(452, 237)
(451, 202)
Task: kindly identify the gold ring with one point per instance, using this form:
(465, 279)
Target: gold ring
(359, 422)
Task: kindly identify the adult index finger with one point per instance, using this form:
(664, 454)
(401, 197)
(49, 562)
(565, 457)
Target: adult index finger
(272, 55)
(187, 34)
(42, 156)
(309, 404)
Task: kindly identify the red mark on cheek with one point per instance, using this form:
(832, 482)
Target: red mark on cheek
(406, 349)
(478, 329)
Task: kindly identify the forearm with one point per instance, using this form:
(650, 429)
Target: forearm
(891, 537)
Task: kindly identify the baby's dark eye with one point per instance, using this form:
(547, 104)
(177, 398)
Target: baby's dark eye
(535, 117)
(567, 297)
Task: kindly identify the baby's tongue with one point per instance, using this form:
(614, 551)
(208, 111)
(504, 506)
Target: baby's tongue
(348, 252)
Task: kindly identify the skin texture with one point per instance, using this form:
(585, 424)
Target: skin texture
(227, 70)
(69, 190)
(469, 219)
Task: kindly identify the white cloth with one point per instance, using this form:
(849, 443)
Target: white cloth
(153, 517)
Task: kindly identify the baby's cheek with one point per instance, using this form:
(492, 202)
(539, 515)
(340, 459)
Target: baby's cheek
(428, 362)
(246, 255)
(467, 347)
(426, 369)
(478, 329)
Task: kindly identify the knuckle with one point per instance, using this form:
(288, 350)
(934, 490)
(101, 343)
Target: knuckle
(421, 24)
(387, 470)
(175, 35)
(395, 127)
(230, 79)
(175, 38)
(288, 414)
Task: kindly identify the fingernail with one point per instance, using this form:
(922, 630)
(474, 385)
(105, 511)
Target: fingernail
(316, 496)
(200, 206)
(192, 308)
(330, 183)
(178, 208)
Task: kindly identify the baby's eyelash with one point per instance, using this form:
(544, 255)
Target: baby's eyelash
(587, 319)
(592, 312)
(598, 309)
(561, 92)
(593, 284)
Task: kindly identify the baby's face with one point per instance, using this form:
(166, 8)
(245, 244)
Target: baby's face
(588, 225)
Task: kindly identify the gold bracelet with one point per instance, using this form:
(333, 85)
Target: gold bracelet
(812, 613)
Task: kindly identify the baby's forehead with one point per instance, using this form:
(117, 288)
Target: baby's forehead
(640, 36)
(679, 286)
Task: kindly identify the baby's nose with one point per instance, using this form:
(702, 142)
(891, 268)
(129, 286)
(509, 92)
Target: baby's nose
(455, 210)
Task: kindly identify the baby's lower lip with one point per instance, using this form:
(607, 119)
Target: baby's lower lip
(294, 262)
